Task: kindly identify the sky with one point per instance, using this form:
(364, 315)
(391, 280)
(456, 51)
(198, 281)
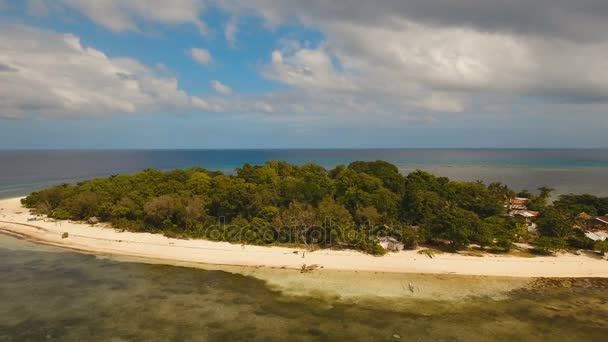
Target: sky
(303, 74)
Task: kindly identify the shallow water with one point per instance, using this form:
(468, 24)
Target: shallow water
(50, 294)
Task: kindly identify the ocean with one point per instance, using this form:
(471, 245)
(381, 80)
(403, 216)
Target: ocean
(52, 294)
(578, 171)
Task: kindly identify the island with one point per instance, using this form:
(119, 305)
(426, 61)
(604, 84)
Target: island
(365, 216)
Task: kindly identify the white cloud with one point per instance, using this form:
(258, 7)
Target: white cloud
(398, 58)
(582, 19)
(124, 15)
(45, 73)
(221, 88)
(407, 56)
(201, 56)
(230, 30)
(307, 68)
(465, 60)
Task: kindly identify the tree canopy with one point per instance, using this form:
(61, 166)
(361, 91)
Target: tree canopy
(344, 207)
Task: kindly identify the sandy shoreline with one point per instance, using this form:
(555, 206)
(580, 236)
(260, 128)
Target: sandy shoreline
(83, 237)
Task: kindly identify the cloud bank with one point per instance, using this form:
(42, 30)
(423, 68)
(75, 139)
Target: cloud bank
(411, 59)
(52, 74)
(445, 55)
(125, 16)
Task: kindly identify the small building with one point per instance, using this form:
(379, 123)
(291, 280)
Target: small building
(597, 236)
(597, 223)
(391, 244)
(518, 203)
(529, 216)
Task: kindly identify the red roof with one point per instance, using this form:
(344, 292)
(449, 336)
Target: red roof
(518, 201)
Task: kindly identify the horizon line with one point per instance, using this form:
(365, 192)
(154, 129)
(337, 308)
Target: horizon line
(290, 148)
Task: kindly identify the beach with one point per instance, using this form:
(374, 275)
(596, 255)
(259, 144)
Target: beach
(106, 240)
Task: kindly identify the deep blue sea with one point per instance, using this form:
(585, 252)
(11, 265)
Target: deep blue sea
(565, 170)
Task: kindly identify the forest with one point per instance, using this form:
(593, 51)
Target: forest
(345, 207)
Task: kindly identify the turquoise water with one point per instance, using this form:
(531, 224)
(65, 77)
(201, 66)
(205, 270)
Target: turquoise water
(48, 294)
(566, 170)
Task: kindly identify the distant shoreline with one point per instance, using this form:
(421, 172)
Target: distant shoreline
(90, 239)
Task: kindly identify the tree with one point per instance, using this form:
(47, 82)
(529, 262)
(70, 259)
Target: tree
(231, 197)
(294, 222)
(199, 183)
(124, 208)
(587, 203)
(335, 219)
(268, 213)
(500, 190)
(546, 244)
(83, 205)
(368, 216)
(333, 173)
(456, 225)
(524, 194)
(386, 172)
(194, 211)
(424, 206)
(293, 203)
(163, 212)
(416, 183)
(601, 246)
(554, 223)
(540, 202)
(497, 231)
(260, 175)
(486, 233)
(309, 184)
(174, 212)
(357, 190)
(475, 197)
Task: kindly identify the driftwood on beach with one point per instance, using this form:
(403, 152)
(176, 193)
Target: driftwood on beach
(309, 268)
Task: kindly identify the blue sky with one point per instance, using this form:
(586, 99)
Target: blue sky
(285, 74)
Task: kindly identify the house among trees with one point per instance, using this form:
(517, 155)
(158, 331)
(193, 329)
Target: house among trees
(597, 236)
(528, 215)
(518, 203)
(518, 206)
(391, 244)
(597, 223)
(596, 227)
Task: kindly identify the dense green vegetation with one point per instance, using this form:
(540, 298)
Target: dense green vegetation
(345, 207)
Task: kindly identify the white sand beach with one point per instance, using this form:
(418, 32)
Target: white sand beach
(106, 240)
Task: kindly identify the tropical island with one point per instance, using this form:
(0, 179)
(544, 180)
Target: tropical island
(366, 206)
